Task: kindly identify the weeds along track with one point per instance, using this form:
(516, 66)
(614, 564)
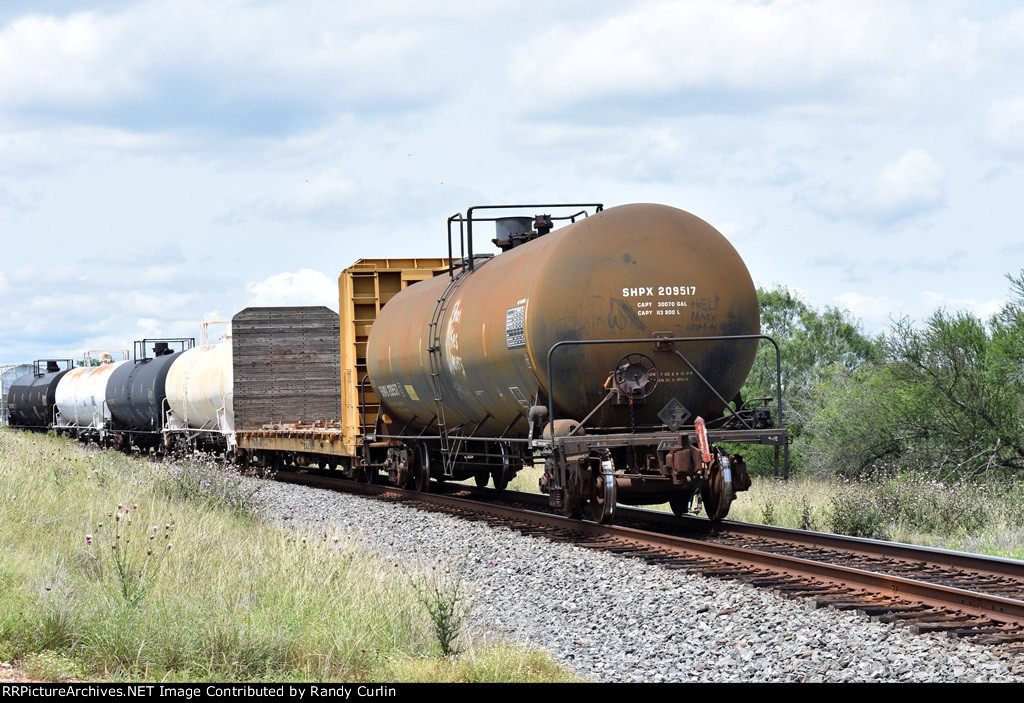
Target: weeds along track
(961, 595)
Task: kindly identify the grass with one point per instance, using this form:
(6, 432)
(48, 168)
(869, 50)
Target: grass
(113, 568)
(983, 516)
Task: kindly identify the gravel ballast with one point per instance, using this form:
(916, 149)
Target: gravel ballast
(616, 619)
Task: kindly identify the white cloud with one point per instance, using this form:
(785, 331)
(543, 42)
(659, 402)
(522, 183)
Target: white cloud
(1004, 126)
(304, 287)
(910, 186)
(1005, 35)
(329, 191)
(69, 60)
(983, 309)
(260, 67)
(791, 52)
(875, 311)
(914, 182)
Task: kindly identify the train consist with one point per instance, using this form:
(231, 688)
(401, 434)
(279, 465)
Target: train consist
(173, 394)
(612, 349)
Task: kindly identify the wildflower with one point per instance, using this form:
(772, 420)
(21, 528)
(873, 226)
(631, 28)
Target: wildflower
(491, 562)
(88, 539)
(170, 545)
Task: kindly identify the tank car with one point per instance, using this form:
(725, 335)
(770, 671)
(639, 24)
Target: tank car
(199, 389)
(614, 347)
(9, 373)
(136, 393)
(81, 398)
(31, 399)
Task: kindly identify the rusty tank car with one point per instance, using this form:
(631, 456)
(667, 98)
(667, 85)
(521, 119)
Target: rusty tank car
(613, 348)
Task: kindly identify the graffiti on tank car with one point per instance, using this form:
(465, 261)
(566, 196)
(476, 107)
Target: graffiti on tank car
(452, 341)
(620, 314)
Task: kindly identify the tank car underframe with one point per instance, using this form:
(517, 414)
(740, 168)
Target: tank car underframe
(412, 461)
(646, 465)
(596, 471)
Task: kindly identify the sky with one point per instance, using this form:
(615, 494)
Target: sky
(166, 162)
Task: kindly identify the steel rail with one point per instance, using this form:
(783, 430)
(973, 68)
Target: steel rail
(1002, 609)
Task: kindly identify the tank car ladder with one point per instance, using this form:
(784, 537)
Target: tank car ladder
(434, 352)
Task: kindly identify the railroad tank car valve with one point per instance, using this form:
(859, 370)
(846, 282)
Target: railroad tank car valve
(636, 376)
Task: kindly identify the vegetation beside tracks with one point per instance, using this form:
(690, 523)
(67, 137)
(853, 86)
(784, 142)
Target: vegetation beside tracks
(114, 568)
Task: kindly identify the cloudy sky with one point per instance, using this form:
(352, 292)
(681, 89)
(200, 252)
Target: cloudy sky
(166, 162)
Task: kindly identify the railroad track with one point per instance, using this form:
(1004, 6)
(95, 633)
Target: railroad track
(929, 590)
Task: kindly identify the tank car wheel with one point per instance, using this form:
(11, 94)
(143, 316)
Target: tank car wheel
(500, 477)
(481, 478)
(572, 508)
(717, 499)
(680, 504)
(602, 505)
(421, 474)
(502, 474)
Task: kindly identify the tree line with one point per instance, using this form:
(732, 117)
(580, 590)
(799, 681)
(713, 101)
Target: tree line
(945, 395)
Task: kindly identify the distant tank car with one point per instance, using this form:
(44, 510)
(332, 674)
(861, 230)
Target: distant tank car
(82, 399)
(32, 398)
(137, 392)
(199, 397)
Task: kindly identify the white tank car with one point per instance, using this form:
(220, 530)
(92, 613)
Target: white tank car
(199, 393)
(81, 397)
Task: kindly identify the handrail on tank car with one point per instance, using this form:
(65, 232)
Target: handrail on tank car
(40, 364)
(467, 220)
(669, 340)
(140, 354)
